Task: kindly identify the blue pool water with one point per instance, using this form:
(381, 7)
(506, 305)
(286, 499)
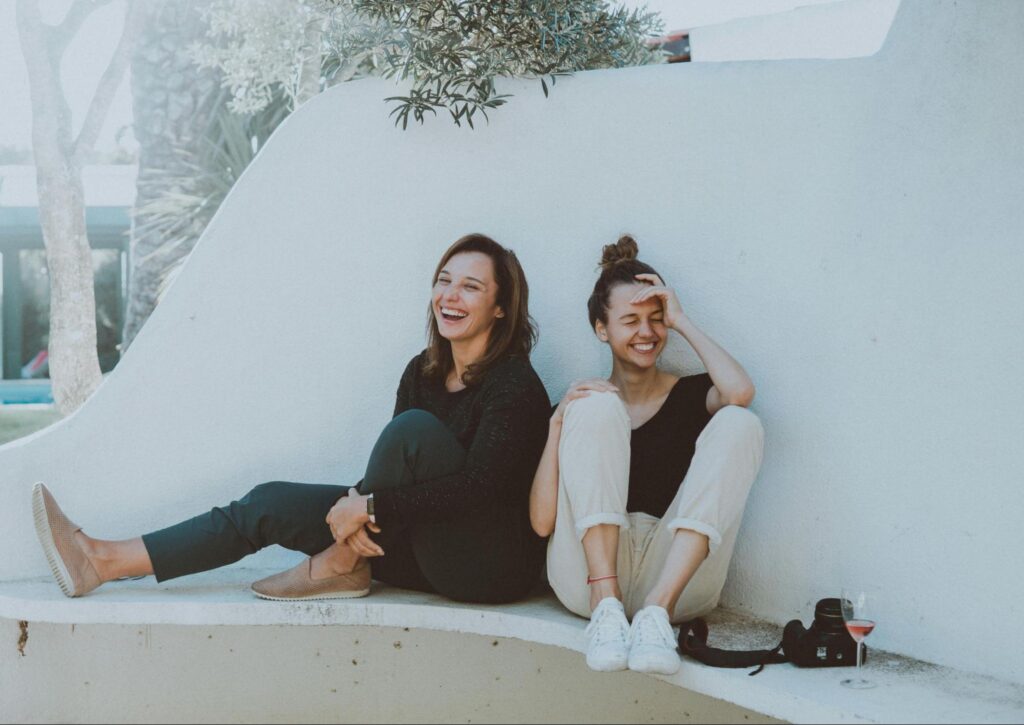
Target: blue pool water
(25, 391)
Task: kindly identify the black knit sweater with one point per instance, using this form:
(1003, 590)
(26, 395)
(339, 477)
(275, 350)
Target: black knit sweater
(501, 421)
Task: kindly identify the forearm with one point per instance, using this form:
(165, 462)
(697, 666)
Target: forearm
(544, 492)
(734, 385)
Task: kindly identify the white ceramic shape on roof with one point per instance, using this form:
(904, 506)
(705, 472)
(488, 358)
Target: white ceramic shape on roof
(689, 14)
(845, 29)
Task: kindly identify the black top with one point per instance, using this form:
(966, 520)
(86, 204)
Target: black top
(661, 449)
(502, 422)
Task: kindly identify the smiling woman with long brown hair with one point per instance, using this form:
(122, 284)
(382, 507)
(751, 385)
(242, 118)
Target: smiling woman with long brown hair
(443, 506)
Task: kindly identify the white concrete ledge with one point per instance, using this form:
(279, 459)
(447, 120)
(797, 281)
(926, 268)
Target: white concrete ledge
(908, 690)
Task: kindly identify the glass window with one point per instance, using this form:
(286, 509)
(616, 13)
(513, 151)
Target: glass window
(35, 330)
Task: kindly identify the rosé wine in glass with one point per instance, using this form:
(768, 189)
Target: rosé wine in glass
(859, 615)
(859, 629)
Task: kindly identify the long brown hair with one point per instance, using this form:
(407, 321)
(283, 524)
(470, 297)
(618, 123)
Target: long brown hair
(513, 334)
(619, 265)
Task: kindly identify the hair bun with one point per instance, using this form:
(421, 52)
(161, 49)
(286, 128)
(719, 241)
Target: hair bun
(624, 250)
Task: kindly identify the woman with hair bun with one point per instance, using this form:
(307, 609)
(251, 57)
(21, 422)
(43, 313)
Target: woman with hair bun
(645, 475)
(443, 506)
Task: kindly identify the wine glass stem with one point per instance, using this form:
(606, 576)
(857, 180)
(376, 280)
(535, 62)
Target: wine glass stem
(859, 644)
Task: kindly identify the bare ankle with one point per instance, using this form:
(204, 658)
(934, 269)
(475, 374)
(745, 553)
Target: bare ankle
(335, 561)
(602, 590)
(664, 601)
(96, 553)
(343, 567)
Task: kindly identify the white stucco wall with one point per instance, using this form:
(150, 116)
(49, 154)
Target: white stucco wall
(849, 230)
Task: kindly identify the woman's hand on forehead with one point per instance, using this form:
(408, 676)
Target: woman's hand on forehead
(651, 279)
(673, 310)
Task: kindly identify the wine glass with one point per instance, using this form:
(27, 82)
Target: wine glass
(859, 612)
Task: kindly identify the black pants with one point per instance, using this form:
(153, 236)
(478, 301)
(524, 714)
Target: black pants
(489, 557)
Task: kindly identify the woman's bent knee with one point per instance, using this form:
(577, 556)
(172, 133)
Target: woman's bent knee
(405, 430)
(412, 424)
(266, 495)
(594, 455)
(743, 420)
(414, 418)
(415, 445)
(596, 411)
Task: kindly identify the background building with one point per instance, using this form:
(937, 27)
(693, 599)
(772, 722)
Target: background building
(109, 193)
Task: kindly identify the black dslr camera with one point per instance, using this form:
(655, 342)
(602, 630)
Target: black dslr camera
(825, 644)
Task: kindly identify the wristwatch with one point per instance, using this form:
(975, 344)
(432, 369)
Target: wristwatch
(369, 509)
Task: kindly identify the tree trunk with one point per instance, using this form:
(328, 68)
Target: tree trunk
(74, 362)
(312, 65)
(173, 103)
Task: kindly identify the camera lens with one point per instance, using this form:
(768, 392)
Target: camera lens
(828, 616)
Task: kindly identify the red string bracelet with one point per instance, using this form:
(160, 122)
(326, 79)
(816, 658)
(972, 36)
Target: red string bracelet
(591, 580)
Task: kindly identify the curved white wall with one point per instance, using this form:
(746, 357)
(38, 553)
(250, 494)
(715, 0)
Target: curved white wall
(849, 230)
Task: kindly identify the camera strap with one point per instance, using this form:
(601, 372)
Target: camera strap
(693, 641)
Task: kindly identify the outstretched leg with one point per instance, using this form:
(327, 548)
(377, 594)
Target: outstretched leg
(115, 559)
(278, 512)
(130, 557)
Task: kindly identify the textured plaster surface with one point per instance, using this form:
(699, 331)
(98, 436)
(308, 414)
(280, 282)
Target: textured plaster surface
(112, 673)
(908, 690)
(849, 230)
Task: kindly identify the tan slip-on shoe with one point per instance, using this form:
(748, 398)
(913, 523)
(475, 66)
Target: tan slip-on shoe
(297, 584)
(70, 566)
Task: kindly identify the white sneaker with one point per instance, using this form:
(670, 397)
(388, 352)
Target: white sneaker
(652, 643)
(607, 648)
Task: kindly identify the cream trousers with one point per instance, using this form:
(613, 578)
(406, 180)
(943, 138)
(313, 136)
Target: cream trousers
(593, 485)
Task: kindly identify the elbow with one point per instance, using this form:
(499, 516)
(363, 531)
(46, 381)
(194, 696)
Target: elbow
(543, 526)
(542, 519)
(543, 531)
(742, 397)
